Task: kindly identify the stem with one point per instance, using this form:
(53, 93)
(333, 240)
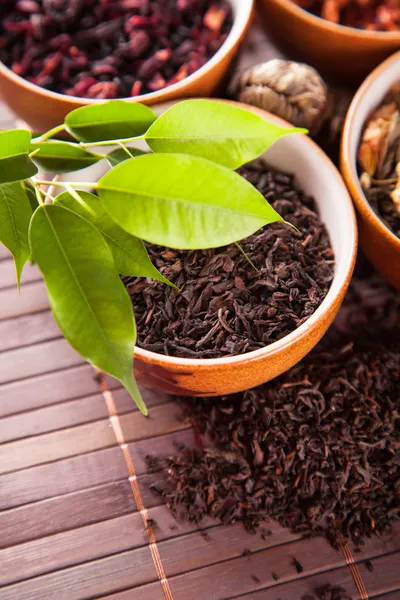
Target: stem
(246, 256)
(49, 134)
(32, 154)
(124, 148)
(384, 181)
(113, 142)
(80, 200)
(64, 184)
(38, 193)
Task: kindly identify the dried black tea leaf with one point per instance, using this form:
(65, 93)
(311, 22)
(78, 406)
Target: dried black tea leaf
(223, 307)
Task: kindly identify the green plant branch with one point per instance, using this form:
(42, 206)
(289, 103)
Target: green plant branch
(63, 184)
(79, 199)
(124, 148)
(113, 142)
(49, 134)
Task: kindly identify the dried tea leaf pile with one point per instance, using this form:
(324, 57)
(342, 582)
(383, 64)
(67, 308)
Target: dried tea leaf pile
(316, 449)
(224, 306)
(379, 159)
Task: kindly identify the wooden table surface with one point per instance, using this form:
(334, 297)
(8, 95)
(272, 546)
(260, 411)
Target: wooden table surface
(74, 483)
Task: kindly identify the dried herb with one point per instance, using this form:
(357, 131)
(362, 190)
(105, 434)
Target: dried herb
(315, 449)
(372, 15)
(298, 565)
(379, 160)
(294, 91)
(224, 306)
(328, 592)
(113, 48)
(369, 565)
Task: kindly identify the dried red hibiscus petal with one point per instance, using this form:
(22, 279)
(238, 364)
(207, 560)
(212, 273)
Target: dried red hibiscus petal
(113, 48)
(373, 15)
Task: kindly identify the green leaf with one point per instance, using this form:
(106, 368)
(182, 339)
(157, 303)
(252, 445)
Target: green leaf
(87, 296)
(130, 254)
(109, 121)
(15, 214)
(61, 157)
(15, 163)
(119, 155)
(216, 130)
(30, 192)
(183, 201)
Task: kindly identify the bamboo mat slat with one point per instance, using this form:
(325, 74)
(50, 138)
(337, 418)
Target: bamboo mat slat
(72, 521)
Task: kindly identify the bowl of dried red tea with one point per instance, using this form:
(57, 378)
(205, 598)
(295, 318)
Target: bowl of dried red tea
(57, 55)
(370, 161)
(343, 39)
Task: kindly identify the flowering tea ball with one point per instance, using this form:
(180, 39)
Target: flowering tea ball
(294, 91)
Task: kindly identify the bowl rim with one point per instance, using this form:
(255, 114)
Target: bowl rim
(340, 281)
(242, 15)
(343, 30)
(349, 162)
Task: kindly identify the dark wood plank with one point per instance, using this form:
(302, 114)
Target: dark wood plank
(307, 585)
(89, 580)
(162, 446)
(78, 473)
(33, 299)
(68, 414)
(72, 548)
(63, 513)
(27, 330)
(88, 438)
(152, 591)
(217, 581)
(62, 477)
(385, 575)
(220, 544)
(395, 595)
(55, 446)
(49, 389)
(37, 359)
(8, 277)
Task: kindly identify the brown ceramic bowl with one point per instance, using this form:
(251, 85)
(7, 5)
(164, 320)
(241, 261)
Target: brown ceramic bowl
(344, 53)
(381, 246)
(212, 377)
(42, 109)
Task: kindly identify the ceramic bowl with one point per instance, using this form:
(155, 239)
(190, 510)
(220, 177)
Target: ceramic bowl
(212, 377)
(381, 246)
(317, 175)
(42, 109)
(344, 53)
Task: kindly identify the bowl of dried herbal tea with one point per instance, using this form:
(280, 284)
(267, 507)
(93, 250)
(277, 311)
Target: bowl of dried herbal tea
(58, 55)
(241, 314)
(370, 162)
(343, 39)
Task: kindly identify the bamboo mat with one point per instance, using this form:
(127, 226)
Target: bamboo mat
(75, 501)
